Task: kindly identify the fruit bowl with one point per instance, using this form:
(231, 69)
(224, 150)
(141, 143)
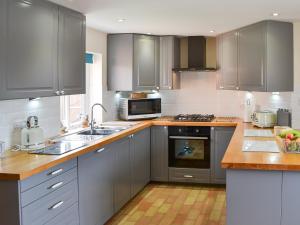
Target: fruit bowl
(290, 141)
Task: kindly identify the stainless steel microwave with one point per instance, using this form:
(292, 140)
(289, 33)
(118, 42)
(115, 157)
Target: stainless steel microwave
(136, 109)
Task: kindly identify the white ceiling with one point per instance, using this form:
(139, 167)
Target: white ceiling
(180, 17)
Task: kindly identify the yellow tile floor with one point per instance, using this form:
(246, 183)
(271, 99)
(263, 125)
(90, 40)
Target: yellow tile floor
(175, 205)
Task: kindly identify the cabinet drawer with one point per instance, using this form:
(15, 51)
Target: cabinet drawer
(68, 217)
(189, 175)
(49, 206)
(47, 174)
(47, 187)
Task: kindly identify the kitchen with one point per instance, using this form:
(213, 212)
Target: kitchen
(164, 170)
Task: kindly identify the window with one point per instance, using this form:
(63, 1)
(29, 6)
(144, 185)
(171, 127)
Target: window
(74, 106)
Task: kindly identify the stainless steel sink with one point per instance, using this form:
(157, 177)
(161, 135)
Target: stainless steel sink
(98, 132)
(103, 130)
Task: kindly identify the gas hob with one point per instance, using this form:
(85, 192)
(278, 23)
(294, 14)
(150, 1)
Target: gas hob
(194, 117)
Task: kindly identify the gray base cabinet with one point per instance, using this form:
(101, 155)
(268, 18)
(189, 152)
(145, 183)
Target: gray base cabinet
(140, 160)
(96, 177)
(159, 153)
(220, 139)
(42, 198)
(290, 198)
(133, 62)
(122, 176)
(111, 176)
(258, 57)
(253, 197)
(42, 47)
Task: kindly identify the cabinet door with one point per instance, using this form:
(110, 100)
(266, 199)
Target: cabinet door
(71, 67)
(95, 175)
(253, 197)
(28, 49)
(169, 59)
(122, 183)
(290, 199)
(159, 153)
(228, 56)
(146, 62)
(251, 57)
(220, 138)
(140, 160)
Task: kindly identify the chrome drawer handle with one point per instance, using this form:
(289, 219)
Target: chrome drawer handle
(188, 176)
(56, 205)
(100, 150)
(55, 172)
(57, 185)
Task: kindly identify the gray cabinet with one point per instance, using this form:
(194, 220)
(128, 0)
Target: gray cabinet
(253, 197)
(140, 160)
(251, 54)
(290, 199)
(28, 49)
(96, 177)
(159, 153)
(71, 58)
(133, 62)
(220, 138)
(122, 173)
(169, 59)
(42, 50)
(260, 54)
(227, 59)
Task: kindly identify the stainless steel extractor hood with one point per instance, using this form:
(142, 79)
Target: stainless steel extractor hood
(197, 53)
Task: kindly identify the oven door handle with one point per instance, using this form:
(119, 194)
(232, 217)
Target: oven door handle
(188, 137)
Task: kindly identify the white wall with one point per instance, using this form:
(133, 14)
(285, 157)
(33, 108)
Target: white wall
(97, 43)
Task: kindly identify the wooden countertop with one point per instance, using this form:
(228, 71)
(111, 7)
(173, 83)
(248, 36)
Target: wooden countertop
(235, 158)
(21, 165)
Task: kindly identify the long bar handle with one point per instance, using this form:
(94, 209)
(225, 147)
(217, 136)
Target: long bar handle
(188, 137)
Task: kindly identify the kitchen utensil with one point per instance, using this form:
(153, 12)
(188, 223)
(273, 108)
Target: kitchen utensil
(264, 119)
(284, 117)
(32, 135)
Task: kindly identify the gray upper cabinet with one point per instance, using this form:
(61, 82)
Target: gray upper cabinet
(220, 139)
(263, 55)
(169, 59)
(140, 160)
(251, 54)
(159, 153)
(71, 60)
(42, 50)
(96, 177)
(133, 62)
(227, 52)
(28, 49)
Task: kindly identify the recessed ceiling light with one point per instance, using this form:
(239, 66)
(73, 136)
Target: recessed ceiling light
(120, 20)
(212, 31)
(149, 33)
(275, 14)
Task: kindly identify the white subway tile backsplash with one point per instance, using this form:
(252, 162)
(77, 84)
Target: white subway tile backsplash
(12, 111)
(198, 94)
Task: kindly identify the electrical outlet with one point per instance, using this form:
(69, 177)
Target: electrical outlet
(19, 124)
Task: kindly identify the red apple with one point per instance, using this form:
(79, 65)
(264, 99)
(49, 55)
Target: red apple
(290, 136)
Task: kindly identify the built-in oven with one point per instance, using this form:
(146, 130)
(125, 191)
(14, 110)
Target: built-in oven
(136, 109)
(189, 147)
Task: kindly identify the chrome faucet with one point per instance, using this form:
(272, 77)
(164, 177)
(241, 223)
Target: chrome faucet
(92, 115)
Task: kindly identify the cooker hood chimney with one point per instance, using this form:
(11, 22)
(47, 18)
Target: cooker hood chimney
(197, 53)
